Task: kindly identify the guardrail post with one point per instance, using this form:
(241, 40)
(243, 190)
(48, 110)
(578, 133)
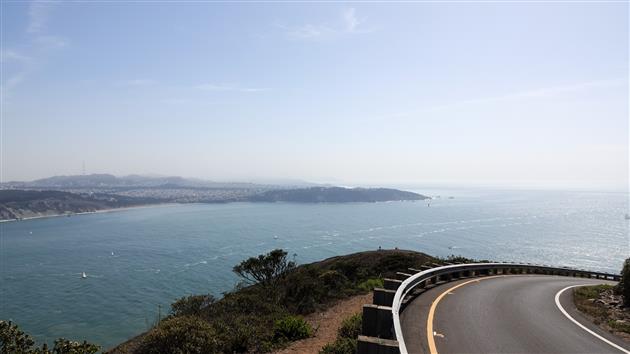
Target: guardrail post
(371, 345)
(377, 321)
(402, 276)
(391, 284)
(383, 297)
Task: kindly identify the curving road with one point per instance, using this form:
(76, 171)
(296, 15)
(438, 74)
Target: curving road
(504, 314)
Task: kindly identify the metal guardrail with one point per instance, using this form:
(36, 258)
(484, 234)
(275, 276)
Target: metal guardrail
(482, 268)
(448, 272)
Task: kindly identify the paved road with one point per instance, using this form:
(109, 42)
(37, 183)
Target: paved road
(511, 314)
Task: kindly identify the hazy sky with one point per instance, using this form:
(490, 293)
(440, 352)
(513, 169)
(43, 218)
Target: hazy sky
(477, 93)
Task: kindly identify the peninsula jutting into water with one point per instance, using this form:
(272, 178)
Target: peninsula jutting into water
(67, 195)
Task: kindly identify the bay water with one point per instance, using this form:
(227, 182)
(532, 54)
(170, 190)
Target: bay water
(138, 261)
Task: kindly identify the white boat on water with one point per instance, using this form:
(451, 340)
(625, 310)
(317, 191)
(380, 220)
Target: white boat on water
(83, 275)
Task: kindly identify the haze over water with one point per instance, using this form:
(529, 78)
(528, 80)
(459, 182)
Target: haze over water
(141, 258)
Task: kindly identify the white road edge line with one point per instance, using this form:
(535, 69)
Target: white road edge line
(581, 325)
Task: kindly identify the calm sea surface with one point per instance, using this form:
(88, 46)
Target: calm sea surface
(137, 260)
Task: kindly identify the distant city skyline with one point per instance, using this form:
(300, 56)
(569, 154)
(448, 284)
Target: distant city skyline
(495, 94)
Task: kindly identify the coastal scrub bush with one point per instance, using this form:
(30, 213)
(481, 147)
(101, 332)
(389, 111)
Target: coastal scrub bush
(244, 320)
(191, 305)
(180, 335)
(370, 284)
(291, 328)
(353, 270)
(244, 333)
(346, 342)
(351, 326)
(333, 283)
(15, 341)
(302, 291)
(624, 284)
(64, 346)
(396, 263)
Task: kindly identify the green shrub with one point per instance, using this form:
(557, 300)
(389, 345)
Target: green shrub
(244, 320)
(291, 328)
(15, 341)
(64, 346)
(619, 326)
(352, 270)
(180, 335)
(351, 327)
(244, 333)
(370, 284)
(302, 291)
(340, 346)
(333, 283)
(346, 342)
(396, 263)
(624, 284)
(191, 305)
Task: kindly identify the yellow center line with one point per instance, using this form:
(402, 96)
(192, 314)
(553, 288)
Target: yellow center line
(430, 335)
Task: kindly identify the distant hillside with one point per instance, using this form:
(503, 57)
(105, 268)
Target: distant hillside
(18, 204)
(336, 195)
(107, 181)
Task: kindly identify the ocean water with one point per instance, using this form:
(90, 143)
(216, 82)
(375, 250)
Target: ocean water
(138, 261)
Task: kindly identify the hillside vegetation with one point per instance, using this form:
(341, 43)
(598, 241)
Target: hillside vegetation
(606, 305)
(264, 312)
(336, 195)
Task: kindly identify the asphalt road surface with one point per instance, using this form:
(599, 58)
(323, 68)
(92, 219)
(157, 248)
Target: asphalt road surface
(505, 314)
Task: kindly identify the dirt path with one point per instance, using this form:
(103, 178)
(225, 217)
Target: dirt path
(326, 324)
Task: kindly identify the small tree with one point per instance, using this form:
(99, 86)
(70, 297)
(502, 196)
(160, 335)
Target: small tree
(624, 284)
(266, 268)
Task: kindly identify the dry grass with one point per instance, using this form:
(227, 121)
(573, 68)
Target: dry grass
(326, 324)
(594, 301)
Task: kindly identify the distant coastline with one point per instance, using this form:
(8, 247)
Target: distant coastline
(32, 202)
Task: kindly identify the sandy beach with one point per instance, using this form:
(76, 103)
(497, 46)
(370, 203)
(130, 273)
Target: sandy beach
(88, 212)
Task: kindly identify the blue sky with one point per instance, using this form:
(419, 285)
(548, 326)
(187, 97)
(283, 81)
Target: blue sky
(516, 94)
